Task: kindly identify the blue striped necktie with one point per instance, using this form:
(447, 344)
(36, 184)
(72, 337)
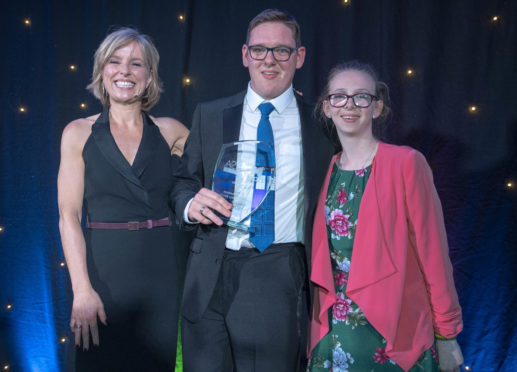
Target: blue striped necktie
(262, 224)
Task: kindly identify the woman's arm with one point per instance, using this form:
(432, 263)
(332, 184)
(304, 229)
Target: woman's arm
(427, 234)
(86, 304)
(174, 132)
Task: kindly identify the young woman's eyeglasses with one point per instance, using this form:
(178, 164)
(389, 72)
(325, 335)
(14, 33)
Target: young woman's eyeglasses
(362, 100)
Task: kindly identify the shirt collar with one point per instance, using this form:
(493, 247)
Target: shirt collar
(281, 102)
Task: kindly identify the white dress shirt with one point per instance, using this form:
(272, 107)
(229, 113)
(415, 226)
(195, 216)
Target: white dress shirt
(289, 185)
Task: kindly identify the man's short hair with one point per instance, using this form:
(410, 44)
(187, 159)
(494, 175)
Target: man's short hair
(276, 15)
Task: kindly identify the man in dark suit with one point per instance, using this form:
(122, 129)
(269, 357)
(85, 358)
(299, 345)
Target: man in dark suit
(245, 301)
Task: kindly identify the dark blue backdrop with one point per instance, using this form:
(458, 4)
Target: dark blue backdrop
(460, 56)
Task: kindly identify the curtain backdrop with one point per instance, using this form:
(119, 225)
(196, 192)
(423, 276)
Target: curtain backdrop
(458, 107)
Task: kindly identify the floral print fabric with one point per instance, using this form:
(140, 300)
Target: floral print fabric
(352, 344)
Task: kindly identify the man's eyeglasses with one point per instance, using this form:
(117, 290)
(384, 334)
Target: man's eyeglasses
(362, 100)
(280, 53)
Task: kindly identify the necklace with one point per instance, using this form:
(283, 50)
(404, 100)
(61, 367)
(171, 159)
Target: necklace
(366, 161)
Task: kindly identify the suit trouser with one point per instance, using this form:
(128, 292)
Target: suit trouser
(257, 317)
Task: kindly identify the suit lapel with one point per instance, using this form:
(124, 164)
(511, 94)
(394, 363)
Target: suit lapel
(232, 118)
(151, 137)
(107, 145)
(314, 160)
(231, 124)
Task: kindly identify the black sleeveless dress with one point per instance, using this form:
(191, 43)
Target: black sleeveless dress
(134, 272)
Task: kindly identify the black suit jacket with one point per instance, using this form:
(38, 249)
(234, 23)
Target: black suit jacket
(215, 123)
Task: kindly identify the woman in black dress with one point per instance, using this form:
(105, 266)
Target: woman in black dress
(119, 162)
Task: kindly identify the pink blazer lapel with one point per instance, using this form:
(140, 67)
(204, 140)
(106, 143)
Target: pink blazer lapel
(371, 260)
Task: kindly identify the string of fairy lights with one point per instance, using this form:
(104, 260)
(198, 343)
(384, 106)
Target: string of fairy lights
(23, 109)
(27, 22)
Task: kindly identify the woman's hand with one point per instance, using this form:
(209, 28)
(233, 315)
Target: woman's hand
(449, 355)
(87, 306)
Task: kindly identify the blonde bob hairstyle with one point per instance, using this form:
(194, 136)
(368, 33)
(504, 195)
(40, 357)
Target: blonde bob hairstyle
(109, 45)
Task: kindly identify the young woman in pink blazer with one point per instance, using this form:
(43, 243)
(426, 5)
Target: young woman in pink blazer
(384, 295)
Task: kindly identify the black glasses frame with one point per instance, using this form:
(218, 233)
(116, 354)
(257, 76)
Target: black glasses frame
(272, 50)
(372, 97)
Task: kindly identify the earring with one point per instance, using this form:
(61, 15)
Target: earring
(373, 117)
(329, 116)
(104, 90)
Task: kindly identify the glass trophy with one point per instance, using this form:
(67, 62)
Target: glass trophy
(244, 174)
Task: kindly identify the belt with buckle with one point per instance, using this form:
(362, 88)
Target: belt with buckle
(131, 225)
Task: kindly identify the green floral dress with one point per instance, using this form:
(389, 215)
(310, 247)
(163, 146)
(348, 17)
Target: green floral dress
(352, 344)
